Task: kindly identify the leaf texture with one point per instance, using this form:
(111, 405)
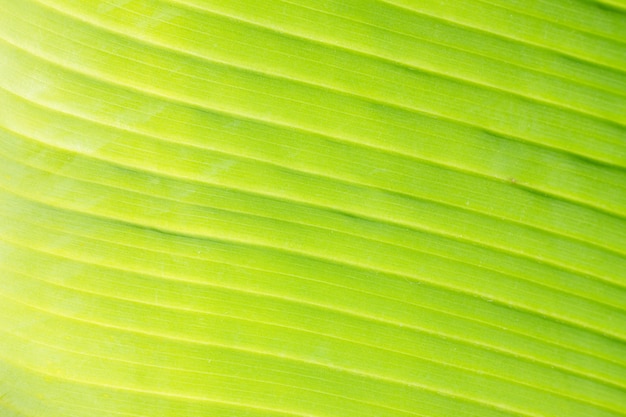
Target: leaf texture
(312, 208)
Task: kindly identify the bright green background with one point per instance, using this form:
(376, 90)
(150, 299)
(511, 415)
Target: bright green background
(312, 208)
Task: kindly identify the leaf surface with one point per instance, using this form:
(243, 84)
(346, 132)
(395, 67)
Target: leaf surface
(312, 208)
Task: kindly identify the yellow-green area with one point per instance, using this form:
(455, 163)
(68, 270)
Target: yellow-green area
(312, 208)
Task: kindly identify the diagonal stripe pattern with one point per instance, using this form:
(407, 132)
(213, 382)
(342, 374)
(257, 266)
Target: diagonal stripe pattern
(299, 208)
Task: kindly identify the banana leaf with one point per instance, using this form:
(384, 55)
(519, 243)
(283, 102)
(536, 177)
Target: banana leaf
(312, 208)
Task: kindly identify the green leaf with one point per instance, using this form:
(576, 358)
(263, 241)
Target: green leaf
(312, 208)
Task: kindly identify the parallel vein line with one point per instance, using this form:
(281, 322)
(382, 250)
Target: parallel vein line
(425, 112)
(405, 275)
(178, 278)
(456, 340)
(508, 250)
(314, 226)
